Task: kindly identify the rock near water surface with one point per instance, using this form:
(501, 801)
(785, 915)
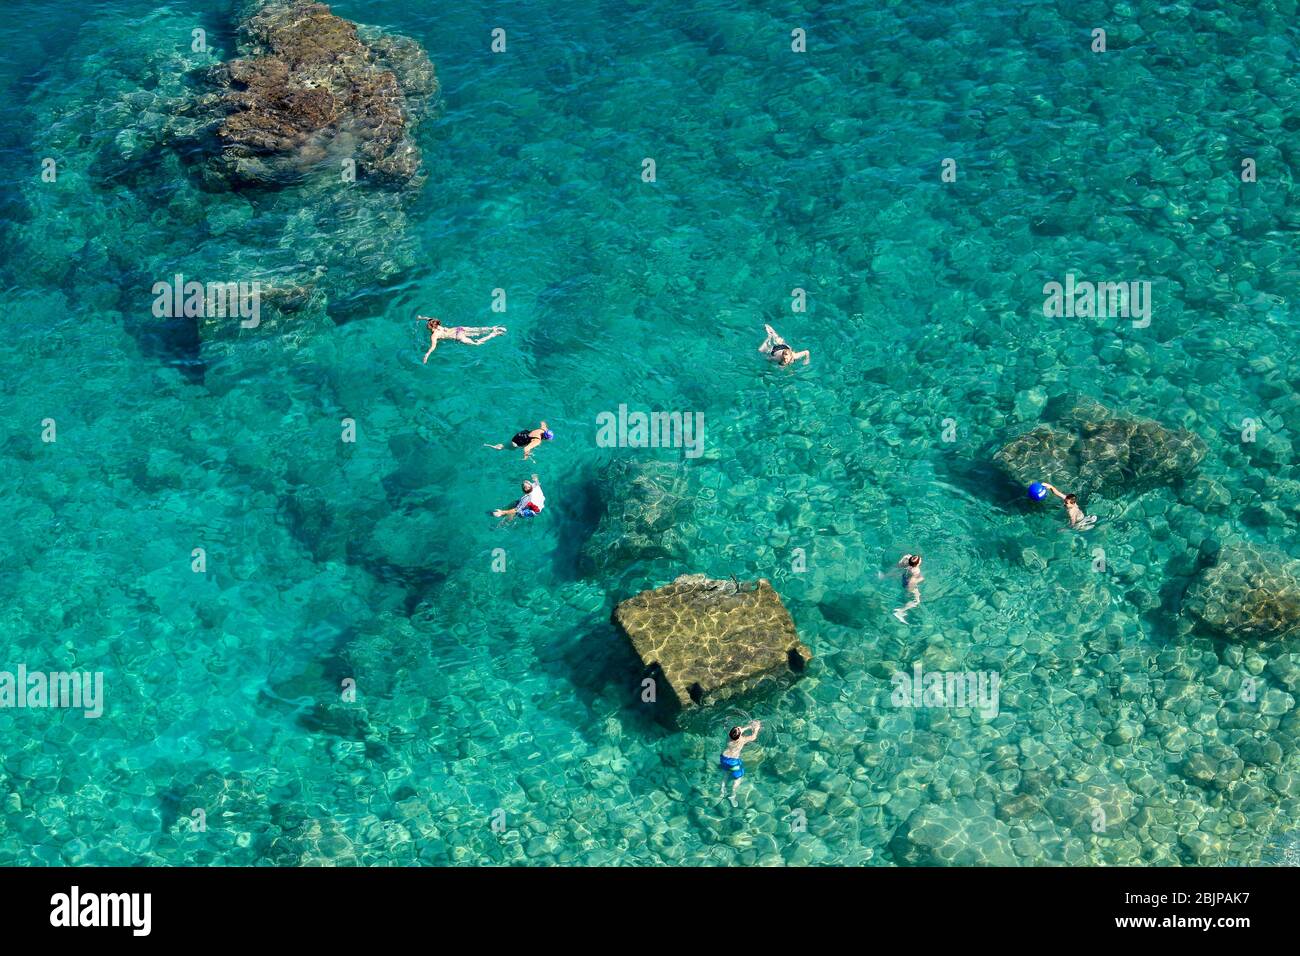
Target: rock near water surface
(1247, 593)
(311, 86)
(712, 639)
(1092, 450)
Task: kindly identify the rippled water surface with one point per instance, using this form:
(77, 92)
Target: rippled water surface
(481, 691)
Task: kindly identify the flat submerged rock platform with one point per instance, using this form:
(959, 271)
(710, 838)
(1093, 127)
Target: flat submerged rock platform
(712, 639)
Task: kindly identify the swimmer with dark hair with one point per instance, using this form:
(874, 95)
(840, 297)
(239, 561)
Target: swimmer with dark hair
(912, 578)
(1078, 520)
(463, 334)
(730, 760)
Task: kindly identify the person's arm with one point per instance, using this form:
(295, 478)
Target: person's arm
(1053, 489)
(433, 344)
(532, 443)
(805, 355)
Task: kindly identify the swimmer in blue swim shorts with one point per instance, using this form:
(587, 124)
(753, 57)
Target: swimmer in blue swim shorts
(529, 506)
(730, 760)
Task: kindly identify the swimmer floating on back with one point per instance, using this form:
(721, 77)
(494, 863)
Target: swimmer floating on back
(730, 760)
(1078, 520)
(912, 578)
(461, 333)
(527, 439)
(529, 506)
(776, 349)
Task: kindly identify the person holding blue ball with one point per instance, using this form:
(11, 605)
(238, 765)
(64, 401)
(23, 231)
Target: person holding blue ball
(1078, 520)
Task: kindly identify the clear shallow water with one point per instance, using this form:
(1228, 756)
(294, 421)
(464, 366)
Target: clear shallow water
(481, 691)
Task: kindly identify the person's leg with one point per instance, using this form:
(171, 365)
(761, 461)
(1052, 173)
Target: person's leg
(735, 785)
(901, 612)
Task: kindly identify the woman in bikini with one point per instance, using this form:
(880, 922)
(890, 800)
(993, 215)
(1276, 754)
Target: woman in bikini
(778, 351)
(461, 333)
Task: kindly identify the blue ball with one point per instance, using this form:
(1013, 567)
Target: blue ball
(1037, 491)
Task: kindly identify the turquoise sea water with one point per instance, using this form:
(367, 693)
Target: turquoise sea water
(487, 696)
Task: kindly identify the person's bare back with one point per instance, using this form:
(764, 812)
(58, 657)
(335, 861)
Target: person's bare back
(463, 334)
(778, 351)
(1078, 520)
(730, 761)
(912, 578)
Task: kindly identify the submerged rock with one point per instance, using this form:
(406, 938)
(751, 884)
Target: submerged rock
(311, 87)
(213, 799)
(1247, 593)
(647, 508)
(137, 129)
(964, 833)
(1091, 450)
(712, 639)
(307, 841)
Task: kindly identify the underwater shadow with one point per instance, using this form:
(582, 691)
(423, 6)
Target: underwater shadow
(603, 672)
(584, 508)
(172, 342)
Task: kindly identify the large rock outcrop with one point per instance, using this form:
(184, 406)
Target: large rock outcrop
(712, 639)
(1092, 450)
(1247, 593)
(310, 87)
